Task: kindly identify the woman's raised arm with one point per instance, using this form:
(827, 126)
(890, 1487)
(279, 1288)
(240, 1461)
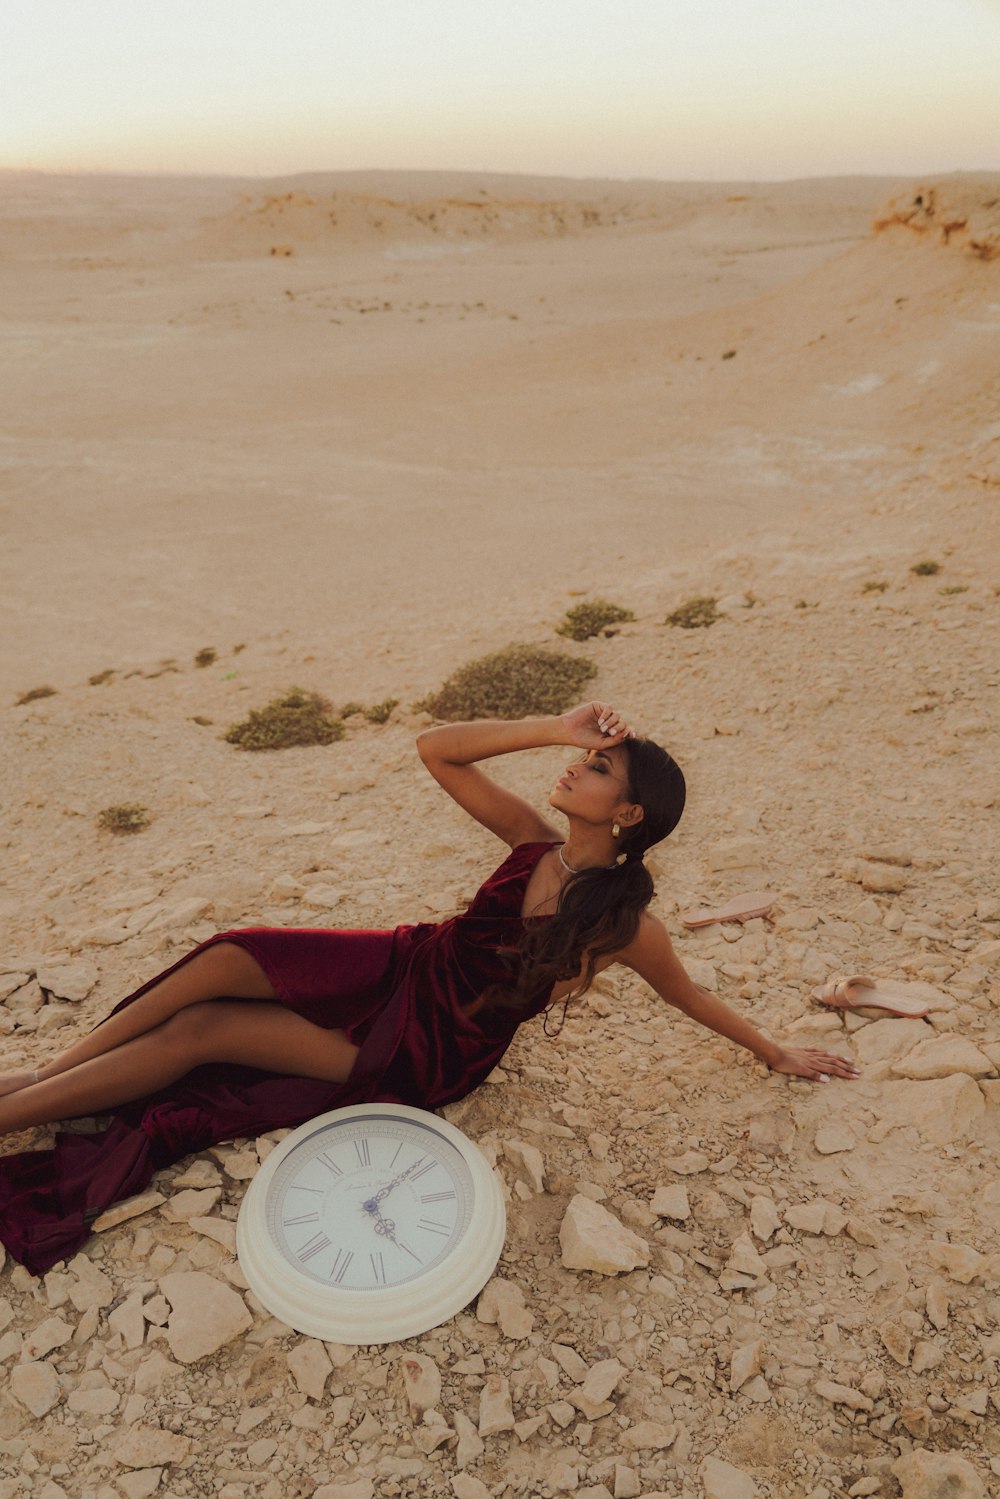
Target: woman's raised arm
(450, 752)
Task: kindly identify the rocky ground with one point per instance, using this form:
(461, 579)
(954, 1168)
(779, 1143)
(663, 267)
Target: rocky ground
(715, 1281)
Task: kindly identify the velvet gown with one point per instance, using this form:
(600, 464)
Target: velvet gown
(402, 996)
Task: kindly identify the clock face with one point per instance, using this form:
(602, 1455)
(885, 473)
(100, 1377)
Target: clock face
(370, 1202)
(370, 1224)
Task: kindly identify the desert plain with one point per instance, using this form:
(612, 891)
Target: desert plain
(348, 433)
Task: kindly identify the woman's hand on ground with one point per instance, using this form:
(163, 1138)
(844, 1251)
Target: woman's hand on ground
(809, 1061)
(595, 726)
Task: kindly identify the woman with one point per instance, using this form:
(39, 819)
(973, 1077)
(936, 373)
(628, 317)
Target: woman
(262, 1028)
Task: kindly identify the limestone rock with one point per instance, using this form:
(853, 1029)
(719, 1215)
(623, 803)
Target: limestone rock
(128, 1322)
(937, 1303)
(141, 1446)
(465, 1486)
(593, 1395)
(897, 1341)
(36, 1386)
(764, 1218)
(745, 1363)
(72, 981)
(357, 1488)
(432, 1433)
(840, 1394)
(421, 1383)
(744, 1258)
(528, 1162)
(503, 1302)
(130, 1207)
(206, 1314)
(52, 1333)
(722, 1481)
(945, 1111)
(958, 1261)
(883, 879)
(649, 1436)
(834, 1138)
(190, 1204)
(671, 1202)
(593, 1239)
(688, 1164)
(772, 1133)
(885, 1041)
(470, 1447)
(937, 1475)
(941, 1056)
(309, 1365)
(496, 1413)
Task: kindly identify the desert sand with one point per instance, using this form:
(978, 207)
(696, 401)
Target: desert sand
(348, 432)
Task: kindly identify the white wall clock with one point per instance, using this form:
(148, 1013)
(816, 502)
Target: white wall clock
(370, 1224)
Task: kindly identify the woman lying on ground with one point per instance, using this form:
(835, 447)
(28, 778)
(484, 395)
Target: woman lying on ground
(266, 1027)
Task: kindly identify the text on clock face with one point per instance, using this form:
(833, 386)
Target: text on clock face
(371, 1204)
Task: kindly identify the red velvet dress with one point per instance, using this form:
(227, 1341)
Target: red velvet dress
(402, 996)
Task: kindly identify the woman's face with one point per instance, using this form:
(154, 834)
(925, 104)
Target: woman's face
(594, 787)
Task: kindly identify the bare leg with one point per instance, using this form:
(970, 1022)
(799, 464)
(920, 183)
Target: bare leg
(222, 969)
(257, 1035)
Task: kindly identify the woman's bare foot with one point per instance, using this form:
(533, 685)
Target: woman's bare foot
(13, 1082)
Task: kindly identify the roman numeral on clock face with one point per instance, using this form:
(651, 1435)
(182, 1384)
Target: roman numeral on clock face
(302, 1218)
(329, 1163)
(340, 1264)
(438, 1197)
(423, 1171)
(378, 1268)
(433, 1227)
(363, 1152)
(316, 1244)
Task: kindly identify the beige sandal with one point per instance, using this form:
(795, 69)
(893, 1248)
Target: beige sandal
(863, 993)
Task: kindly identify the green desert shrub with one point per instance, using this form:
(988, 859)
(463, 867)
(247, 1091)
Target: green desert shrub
(34, 694)
(926, 569)
(953, 588)
(380, 712)
(297, 718)
(695, 613)
(591, 617)
(516, 682)
(874, 585)
(206, 656)
(127, 817)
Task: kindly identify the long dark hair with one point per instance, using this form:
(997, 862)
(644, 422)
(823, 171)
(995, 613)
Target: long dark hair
(599, 910)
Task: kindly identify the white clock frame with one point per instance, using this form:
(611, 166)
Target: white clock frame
(378, 1313)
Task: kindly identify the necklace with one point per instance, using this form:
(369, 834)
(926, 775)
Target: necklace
(569, 868)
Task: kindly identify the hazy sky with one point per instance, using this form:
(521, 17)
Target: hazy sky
(656, 88)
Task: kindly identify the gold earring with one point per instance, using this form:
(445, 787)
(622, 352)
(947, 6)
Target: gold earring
(615, 830)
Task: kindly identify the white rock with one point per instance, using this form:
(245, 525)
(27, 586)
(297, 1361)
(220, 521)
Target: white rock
(834, 1138)
(147, 1446)
(723, 1481)
(941, 1056)
(503, 1302)
(937, 1475)
(190, 1204)
(421, 1383)
(72, 981)
(593, 1239)
(358, 1488)
(130, 1207)
(529, 1162)
(649, 1436)
(958, 1261)
(840, 1394)
(128, 1321)
(206, 1314)
(310, 1367)
(465, 1486)
(52, 1333)
(744, 1258)
(688, 1164)
(945, 1111)
(745, 1363)
(470, 1448)
(496, 1412)
(764, 1218)
(672, 1202)
(36, 1386)
(599, 1384)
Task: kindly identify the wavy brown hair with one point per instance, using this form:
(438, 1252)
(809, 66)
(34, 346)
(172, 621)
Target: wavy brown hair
(599, 910)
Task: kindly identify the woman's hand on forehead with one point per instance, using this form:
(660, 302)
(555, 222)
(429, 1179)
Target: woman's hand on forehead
(596, 726)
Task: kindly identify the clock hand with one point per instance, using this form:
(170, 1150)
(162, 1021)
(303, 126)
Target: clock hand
(383, 1192)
